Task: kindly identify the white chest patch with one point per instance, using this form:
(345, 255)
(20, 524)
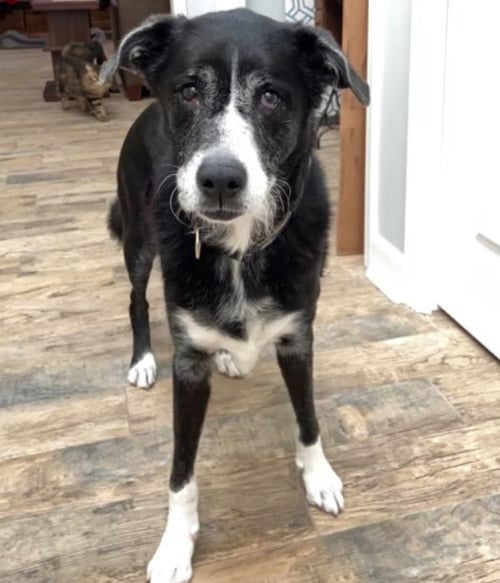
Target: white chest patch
(262, 330)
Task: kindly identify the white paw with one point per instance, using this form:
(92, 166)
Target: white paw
(324, 489)
(172, 561)
(225, 364)
(322, 484)
(143, 373)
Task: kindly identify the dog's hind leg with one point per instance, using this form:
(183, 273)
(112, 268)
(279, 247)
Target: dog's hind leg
(323, 486)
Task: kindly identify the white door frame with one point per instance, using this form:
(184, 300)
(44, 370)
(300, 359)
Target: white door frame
(409, 277)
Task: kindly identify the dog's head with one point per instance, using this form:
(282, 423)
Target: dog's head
(240, 92)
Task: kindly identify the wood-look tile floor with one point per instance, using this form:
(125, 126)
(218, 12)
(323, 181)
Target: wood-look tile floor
(409, 404)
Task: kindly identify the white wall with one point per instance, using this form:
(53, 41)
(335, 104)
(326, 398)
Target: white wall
(273, 8)
(197, 7)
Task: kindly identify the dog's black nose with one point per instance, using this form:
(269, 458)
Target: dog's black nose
(224, 177)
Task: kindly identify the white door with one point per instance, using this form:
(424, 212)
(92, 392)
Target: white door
(469, 286)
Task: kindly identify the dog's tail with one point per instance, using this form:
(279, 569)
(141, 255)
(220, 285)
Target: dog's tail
(115, 223)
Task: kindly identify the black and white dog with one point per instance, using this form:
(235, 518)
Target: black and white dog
(218, 177)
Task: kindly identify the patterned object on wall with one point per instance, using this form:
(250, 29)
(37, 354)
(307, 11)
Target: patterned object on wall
(300, 10)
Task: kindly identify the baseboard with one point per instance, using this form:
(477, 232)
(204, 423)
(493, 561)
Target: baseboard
(389, 269)
(385, 269)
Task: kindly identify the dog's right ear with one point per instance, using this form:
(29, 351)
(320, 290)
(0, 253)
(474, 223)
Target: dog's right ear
(144, 49)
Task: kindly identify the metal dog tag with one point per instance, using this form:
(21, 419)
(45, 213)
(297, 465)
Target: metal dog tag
(197, 244)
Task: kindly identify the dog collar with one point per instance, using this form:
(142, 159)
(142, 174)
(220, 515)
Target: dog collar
(255, 248)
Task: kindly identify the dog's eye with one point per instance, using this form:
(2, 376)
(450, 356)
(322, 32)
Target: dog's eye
(189, 93)
(270, 99)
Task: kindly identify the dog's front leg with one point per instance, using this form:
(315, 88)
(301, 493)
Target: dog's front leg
(323, 486)
(172, 560)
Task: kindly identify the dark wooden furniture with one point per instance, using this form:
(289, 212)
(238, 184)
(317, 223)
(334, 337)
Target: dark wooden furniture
(348, 22)
(126, 16)
(328, 14)
(68, 21)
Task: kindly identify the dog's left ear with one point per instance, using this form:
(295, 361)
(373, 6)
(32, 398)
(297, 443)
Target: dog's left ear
(327, 66)
(144, 49)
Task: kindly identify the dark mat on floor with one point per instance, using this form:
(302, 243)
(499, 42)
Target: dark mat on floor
(11, 39)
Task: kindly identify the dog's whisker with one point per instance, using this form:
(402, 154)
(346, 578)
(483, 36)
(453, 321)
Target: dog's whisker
(172, 210)
(163, 183)
(165, 165)
(283, 196)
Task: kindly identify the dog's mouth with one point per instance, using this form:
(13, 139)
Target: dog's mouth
(221, 214)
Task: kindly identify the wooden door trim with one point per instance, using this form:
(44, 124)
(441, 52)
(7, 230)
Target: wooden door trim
(351, 203)
(348, 22)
